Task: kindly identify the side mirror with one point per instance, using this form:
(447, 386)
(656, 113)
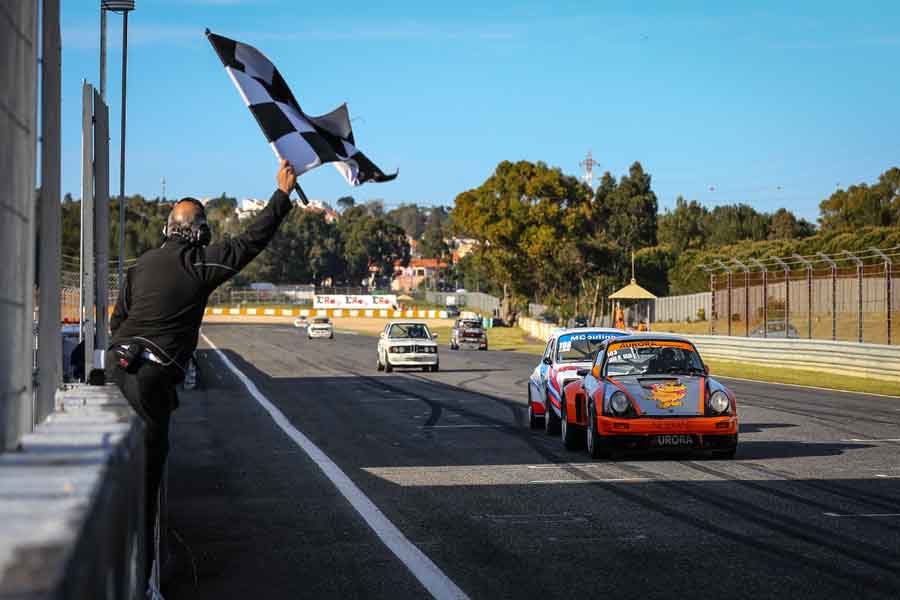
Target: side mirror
(583, 372)
(547, 360)
(706, 369)
(434, 336)
(595, 371)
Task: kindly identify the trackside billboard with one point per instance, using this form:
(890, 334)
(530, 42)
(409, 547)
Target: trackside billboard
(355, 301)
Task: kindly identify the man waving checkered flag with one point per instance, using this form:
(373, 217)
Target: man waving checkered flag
(306, 142)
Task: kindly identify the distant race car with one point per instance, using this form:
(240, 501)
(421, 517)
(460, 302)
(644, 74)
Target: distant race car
(567, 351)
(649, 391)
(301, 322)
(469, 334)
(407, 344)
(320, 327)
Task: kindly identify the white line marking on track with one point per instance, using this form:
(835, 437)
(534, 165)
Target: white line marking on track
(872, 440)
(429, 574)
(861, 515)
(883, 476)
(808, 387)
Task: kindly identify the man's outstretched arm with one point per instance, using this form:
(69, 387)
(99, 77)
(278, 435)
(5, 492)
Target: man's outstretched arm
(225, 259)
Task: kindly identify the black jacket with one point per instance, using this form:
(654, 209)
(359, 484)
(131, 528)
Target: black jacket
(167, 290)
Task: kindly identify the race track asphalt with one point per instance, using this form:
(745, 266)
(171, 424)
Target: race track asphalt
(809, 508)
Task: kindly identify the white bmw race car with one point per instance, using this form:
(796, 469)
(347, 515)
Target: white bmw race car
(320, 327)
(407, 344)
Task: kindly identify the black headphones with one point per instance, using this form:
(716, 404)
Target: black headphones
(197, 234)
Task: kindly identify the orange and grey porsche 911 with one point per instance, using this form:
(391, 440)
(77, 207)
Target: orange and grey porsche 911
(649, 392)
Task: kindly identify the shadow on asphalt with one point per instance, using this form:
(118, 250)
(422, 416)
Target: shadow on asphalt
(759, 427)
(434, 394)
(246, 509)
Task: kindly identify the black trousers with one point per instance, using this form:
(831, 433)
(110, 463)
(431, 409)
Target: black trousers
(150, 391)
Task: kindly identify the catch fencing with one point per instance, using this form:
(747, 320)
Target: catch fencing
(850, 297)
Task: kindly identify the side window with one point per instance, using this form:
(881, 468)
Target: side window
(547, 350)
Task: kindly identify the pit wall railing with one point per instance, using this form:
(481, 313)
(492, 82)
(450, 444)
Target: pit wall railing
(875, 361)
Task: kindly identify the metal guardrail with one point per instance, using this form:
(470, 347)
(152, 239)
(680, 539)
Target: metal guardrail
(875, 361)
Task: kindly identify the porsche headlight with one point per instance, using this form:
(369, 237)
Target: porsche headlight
(718, 402)
(618, 403)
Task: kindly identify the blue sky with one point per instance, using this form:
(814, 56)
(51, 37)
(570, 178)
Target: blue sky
(769, 104)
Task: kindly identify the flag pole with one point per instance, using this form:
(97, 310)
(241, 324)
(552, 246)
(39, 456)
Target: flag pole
(300, 193)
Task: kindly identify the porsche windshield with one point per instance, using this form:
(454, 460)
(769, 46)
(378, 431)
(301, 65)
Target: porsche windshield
(413, 331)
(581, 347)
(652, 357)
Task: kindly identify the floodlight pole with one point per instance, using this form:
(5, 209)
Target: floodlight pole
(808, 266)
(859, 293)
(787, 294)
(746, 271)
(888, 285)
(833, 266)
(725, 268)
(765, 273)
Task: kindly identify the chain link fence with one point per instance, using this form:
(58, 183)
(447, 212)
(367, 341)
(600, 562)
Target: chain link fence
(850, 297)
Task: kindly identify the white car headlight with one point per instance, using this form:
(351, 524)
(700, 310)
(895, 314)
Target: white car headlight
(618, 403)
(718, 402)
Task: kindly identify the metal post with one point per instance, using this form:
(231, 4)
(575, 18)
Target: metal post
(101, 218)
(787, 295)
(833, 266)
(49, 357)
(765, 272)
(859, 293)
(86, 333)
(103, 52)
(121, 270)
(746, 270)
(729, 284)
(809, 293)
(888, 273)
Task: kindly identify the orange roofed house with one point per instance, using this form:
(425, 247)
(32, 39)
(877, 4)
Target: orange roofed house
(410, 277)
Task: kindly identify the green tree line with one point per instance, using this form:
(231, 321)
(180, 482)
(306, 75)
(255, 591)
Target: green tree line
(545, 236)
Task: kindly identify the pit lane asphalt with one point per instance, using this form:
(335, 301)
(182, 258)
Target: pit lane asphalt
(802, 512)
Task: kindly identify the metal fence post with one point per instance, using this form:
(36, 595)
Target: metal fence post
(787, 294)
(765, 274)
(729, 284)
(746, 271)
(809, 293)
(888, 273)
(859, 293)
(833, 266)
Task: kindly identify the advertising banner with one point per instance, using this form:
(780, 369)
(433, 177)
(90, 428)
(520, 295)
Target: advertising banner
(355, 301)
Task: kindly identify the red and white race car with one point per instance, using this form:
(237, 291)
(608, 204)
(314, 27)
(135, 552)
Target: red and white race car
(567, 351)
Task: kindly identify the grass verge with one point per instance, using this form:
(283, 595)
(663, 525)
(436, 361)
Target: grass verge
(802, 377)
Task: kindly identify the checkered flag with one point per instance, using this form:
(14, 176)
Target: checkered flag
(306, 142)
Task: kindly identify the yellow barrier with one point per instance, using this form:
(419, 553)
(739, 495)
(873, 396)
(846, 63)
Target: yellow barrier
(329, 312)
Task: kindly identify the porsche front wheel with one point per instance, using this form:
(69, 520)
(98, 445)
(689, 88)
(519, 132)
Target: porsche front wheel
(596, 446)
